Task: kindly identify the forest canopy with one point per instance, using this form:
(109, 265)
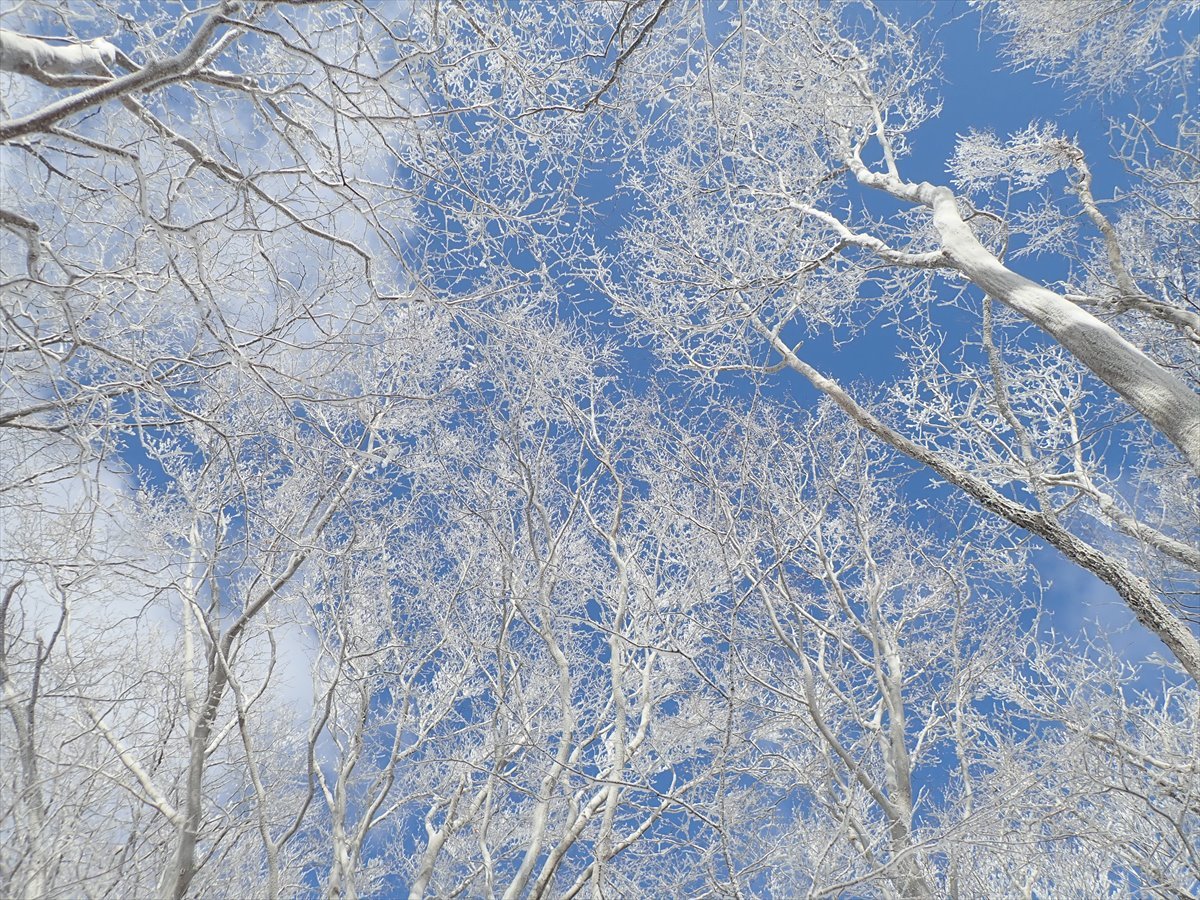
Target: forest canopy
(618, 449)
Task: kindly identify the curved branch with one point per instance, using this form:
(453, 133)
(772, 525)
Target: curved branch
(1165, 401)
(150, 76)
(1137, 594)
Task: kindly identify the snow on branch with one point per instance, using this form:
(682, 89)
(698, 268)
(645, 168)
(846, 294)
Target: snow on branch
(51, 63)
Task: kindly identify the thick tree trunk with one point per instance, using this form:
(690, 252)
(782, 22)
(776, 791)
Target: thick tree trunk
(1172, 407)
(1165, 401)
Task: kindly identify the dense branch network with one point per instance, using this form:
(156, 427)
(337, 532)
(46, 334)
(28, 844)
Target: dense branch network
(350, 547)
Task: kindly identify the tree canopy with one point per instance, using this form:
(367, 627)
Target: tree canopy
(631, 448)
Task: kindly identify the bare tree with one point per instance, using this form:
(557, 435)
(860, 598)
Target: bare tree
(775, 170)
(560, 769)
(882, 690)
(342, 554)
(231, 277)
